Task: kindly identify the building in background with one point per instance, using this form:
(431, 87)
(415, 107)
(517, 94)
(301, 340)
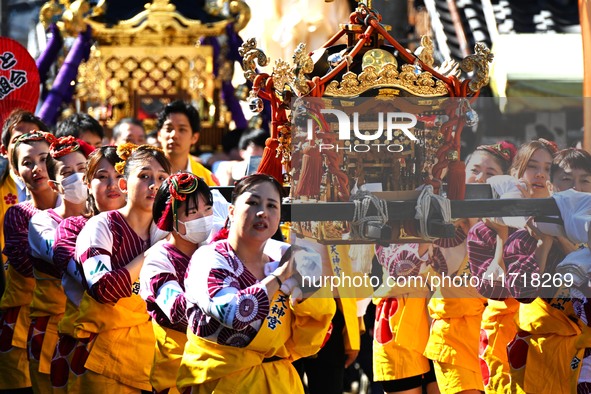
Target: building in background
(538, 64)
(542, 99)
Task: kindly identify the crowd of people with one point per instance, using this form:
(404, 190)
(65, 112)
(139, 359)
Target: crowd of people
(124, 272)
(99, 247)
(501, 332)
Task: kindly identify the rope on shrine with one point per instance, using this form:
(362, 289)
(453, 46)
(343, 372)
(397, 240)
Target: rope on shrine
(426, 198)
(363, 226)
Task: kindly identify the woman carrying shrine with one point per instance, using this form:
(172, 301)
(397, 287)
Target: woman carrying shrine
(530, 176)
(183, 207)
(244, 331)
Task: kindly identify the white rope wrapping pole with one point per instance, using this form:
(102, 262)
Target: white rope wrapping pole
(423, 207)
(362, 201)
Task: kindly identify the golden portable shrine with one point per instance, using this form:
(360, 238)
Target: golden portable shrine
(132, 62)
(370, 64)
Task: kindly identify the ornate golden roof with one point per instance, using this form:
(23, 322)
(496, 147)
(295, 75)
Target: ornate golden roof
(150, 59)
(158, 24)
(421, 85)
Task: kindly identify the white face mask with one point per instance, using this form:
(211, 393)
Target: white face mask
(75, 191)
(197, 230)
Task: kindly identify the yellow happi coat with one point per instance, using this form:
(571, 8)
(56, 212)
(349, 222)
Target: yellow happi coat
(498, 328)
(67, 324)
(547, 353)
(199, 170)
(116, 326)
(60, 376)
(8, 198)
(14, 365)
(49, 299)
(401, 330)
(287, 334)
(547, 333)
(14, 305)
(348, 294)
(170, 345)
(400, 336)
(455, 331)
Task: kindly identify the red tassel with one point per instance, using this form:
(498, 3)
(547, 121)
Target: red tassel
(166, 219)
(271, 163)
(222, 234)
(85, 147)
(456, 180)
(311, 175)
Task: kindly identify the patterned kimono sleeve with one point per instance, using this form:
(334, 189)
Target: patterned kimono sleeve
(482, 242)
(93, 251)
(449, 253)
(446, 243)
(41, 235)
(223, 290)
(16, 240)
(401, 260)
(520, 263)
(64, 245)
(161, 288)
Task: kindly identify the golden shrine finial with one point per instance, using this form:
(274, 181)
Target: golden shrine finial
(160, 5)
(71, 15)
(48, 11)
(99, 9)
(241, 12)
(250, 53)
(426, 51)
(282, 74)
(303, 65)
(478, 62)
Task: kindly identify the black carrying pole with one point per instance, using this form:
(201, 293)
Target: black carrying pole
(478, 204)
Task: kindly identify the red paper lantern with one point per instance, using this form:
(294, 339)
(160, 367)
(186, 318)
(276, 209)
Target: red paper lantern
(19, 78)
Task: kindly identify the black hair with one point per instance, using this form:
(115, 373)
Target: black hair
(180, 107)
(246, 183)
(51, 165)
(162, 209)
(77, 123)
(571, 158)
(231, 139)
(117, 128)
(257, 137)
(143, 153)
(18, 116)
